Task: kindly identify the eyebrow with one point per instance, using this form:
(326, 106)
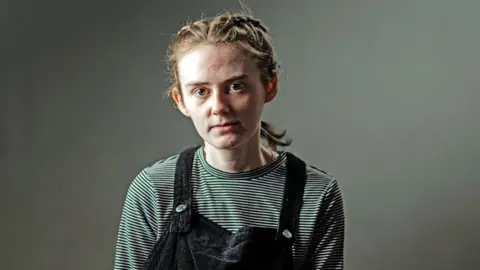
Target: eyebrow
(229, 80)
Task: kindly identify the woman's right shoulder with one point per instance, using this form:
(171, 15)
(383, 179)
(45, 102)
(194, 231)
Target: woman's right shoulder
(163, 167)
(152, 187)
(149, 199)
(156, 179)
(159, 173)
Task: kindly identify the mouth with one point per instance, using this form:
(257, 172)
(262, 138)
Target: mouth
(225, 125)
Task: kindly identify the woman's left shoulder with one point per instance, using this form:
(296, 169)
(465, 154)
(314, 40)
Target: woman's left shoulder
(314, 171)
(319, 180)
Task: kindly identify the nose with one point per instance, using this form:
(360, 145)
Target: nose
(220, 103)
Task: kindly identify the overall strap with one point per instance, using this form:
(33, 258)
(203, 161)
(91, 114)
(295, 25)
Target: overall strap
(292, 199)
(182, 205)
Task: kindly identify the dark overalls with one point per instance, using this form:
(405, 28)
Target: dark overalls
(191, 241)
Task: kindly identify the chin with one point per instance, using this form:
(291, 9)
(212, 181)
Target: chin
(226, 142)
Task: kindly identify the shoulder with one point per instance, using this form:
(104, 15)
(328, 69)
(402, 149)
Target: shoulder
(161, 168)
(316, 176)
(319, 183)
(152, 179)
(156, 171)
(151, 190)
(158, 177)
(165, 168)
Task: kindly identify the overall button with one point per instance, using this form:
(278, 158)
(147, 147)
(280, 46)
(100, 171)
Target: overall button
(180, 208)
(287, 233)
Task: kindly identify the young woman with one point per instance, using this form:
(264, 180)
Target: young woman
(233, 202)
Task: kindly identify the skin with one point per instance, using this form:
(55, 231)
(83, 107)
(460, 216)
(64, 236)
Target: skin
(220, 84)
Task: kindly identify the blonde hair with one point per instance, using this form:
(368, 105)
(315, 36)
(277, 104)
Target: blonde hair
(240, 30)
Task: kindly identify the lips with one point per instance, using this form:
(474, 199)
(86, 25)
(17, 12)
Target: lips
(225, 125)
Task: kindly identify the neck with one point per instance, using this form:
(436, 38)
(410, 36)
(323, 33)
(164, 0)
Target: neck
(247, 157)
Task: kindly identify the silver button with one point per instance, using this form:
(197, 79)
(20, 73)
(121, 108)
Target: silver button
(287, 233)
(180, 208)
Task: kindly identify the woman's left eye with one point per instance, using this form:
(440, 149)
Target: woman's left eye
(237, 86)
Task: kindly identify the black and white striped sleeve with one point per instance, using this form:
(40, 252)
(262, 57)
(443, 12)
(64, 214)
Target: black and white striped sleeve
(329, 235)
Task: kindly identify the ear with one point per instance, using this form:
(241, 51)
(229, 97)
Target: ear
(272, 89)
(177, 97)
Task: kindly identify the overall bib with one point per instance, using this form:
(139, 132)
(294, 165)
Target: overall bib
(191, 241)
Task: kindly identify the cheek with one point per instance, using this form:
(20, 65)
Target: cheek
(249, 111)
(198, 117)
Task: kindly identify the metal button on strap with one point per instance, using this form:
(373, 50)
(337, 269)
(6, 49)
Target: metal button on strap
(287, 233)
(180, 208)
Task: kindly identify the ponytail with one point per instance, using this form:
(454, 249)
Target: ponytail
(274, 139)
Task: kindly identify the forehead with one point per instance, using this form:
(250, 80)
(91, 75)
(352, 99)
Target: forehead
(214, 63)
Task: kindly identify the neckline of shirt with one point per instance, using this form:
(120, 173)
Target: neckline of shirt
(252, 174)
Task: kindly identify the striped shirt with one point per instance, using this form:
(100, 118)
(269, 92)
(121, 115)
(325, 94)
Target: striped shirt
(234, 200)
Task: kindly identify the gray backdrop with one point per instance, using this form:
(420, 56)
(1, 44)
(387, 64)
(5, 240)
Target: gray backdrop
(384, 95)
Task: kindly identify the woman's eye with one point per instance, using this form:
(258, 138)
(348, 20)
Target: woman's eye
(200, 92)
(237, 86)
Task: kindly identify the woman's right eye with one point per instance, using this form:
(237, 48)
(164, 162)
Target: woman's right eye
(200, 92)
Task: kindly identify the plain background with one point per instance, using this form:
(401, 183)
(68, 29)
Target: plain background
(382, 94)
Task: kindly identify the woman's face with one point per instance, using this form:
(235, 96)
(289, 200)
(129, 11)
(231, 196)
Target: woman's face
(222, 92)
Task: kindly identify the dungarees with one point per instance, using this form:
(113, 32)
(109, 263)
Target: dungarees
(191, 241)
